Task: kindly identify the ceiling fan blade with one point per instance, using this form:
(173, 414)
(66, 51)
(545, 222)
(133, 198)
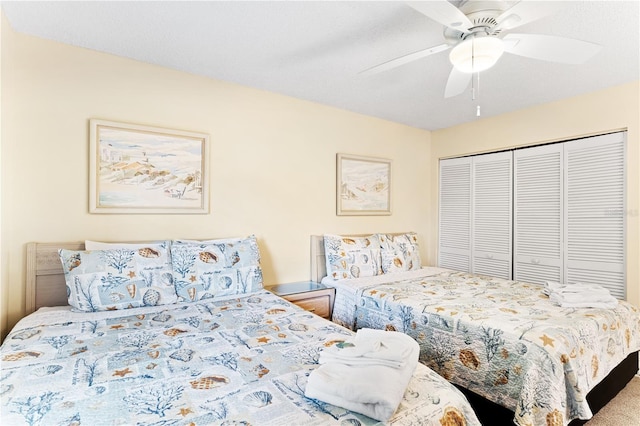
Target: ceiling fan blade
(393, 63)
(550, 48)
(443, 12)
(457, 83)
(524, 12)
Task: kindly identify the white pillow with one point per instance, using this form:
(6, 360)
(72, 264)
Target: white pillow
(212, 241)
(99, 245)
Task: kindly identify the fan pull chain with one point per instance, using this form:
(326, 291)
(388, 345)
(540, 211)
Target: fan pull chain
(475, 90)
(473, 67)
(473, 84)
(478, 106)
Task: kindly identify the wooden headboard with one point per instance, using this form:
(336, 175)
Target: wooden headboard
(318, 262)
(45, 278)
(44, 275)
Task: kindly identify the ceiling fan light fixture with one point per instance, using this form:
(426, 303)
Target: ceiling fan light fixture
(476, 54)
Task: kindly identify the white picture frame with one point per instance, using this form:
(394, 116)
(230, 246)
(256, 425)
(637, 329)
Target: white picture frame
(137, 169)
(363, 185)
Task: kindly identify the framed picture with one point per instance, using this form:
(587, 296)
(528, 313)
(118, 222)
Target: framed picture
(363, 186)
(142, 169)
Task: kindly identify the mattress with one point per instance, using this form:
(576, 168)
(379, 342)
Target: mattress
(503, 340)
(234, 360)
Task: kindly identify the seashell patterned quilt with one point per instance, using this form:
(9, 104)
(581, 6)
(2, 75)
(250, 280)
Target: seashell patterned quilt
(234, 360)
(504, 340)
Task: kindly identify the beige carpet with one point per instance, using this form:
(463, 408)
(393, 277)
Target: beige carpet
(623, 410)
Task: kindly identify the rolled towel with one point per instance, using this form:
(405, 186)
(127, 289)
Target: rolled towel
(372, 390)
(551, 284)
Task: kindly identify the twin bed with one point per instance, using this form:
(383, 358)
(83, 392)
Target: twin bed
(241, 356)
(518, 357)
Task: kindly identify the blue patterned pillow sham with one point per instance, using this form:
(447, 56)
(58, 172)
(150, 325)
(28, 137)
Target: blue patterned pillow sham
(399, 252)
(351, 257)
(216, 268)
(121, 278)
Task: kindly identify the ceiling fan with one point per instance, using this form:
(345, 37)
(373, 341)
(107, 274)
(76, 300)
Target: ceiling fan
(475, 33)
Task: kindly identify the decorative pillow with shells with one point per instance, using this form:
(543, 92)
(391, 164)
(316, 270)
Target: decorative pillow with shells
(352, 257)
(120, 278)
(214, 268)
(399, 252)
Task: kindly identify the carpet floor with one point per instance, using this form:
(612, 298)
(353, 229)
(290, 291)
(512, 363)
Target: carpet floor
(623, 410)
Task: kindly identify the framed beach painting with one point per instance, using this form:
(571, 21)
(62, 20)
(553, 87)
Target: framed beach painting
(143, 169)
(363, 185)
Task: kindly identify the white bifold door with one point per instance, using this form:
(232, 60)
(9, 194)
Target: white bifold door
(548, 213)
(569, 213)
(538, 219)
(595, 212)
(475, 214)
(454, 242)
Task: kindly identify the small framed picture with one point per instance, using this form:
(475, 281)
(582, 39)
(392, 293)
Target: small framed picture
(363, 186)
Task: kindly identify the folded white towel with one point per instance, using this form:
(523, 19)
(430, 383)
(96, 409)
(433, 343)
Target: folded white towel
(582, 301)
(552, 286)
(602, 305)
(370, 347)
(579, 295)
(374, 390)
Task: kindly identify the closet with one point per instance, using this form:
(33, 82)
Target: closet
(553, 212)
(475, 214)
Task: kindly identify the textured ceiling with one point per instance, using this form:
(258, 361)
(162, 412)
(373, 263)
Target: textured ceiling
(316, 50)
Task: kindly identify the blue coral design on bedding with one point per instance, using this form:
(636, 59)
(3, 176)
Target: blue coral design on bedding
(352, 257)
(119, 278)
(501, 339)
(240, 360)
(216, 268)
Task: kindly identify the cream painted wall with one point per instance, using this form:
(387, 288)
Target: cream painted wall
(3, 289)
(272, 159)
(616, 108)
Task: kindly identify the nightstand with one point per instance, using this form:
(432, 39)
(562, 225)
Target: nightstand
(309, 295)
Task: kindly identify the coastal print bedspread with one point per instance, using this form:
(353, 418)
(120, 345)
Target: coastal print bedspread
(236, 361)
(504, 340)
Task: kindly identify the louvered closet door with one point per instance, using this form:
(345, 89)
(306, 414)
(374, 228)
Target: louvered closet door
(595, 212)
(538, 219)
(454, 245)
(491, 214)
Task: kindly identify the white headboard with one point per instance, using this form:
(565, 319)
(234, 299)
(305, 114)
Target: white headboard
(318, 262)
(44, 275)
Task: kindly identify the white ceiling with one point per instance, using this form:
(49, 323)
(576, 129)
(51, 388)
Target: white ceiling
(315, 50)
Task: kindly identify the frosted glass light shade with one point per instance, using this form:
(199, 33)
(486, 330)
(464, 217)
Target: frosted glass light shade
(476, 54)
